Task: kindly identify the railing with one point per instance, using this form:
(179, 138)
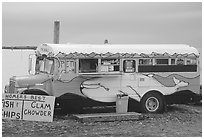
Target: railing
(20, 47)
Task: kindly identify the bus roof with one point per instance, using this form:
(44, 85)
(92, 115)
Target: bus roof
(137, 50)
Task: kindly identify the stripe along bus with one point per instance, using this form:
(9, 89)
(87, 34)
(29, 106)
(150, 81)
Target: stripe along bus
(85, 75)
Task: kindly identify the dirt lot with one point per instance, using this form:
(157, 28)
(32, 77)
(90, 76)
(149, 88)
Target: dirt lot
(177, 121)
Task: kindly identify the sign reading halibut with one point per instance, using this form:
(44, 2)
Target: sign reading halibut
(28, 107)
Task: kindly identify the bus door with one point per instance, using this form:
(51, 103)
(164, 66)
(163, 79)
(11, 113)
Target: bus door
(129, 80)
(129, 69)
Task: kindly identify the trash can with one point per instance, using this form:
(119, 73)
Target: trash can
(121, 103)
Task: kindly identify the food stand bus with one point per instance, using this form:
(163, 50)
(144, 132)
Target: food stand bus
(86, 75)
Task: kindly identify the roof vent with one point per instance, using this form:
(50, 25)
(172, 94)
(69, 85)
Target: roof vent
(106, 42)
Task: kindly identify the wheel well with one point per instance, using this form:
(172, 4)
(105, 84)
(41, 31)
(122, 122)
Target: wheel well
(154, 91)
(35, 92)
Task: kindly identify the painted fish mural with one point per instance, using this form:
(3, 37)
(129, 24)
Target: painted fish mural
(105, 89)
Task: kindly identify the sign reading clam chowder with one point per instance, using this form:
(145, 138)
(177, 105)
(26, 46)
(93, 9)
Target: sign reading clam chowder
(28, 107)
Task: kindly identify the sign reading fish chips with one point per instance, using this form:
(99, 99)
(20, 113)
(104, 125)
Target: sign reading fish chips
(28, 107)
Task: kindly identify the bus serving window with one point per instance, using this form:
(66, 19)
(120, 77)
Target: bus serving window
(162, 61)
(88, 65)
(145, 61)
(109, 65)
(129, 65)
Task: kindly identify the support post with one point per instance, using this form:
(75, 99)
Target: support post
(56, 32)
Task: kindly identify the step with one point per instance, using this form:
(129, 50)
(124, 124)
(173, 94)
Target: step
(108, 117)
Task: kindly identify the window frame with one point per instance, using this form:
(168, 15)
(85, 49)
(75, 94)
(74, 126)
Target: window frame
(182, 58)
(191, 59)
(88, 70)
(134, 65)
(63, 65)
(155, 63)
(151, 59)
(108, 66)
(174, 61)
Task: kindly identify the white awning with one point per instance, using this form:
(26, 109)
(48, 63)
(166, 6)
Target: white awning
(133, 50)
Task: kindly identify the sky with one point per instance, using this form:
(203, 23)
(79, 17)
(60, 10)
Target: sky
(119, 22)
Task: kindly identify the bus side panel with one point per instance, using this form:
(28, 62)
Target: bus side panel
(181, 82)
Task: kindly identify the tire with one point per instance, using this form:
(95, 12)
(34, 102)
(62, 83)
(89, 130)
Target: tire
(152, 102)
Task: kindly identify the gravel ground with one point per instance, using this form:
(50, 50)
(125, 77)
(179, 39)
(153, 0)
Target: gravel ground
(177, 121)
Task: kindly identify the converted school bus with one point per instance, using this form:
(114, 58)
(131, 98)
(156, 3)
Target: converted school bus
(85, 75)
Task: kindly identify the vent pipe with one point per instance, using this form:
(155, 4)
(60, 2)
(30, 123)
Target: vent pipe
(56, 32)
(106, 42)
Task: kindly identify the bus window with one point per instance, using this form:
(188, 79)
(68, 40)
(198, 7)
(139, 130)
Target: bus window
(88, 65)
(129, 65)
(110, 65)
(191, 61)
(62, 65)
(70, 66)
(173, 61)
(180, 61)
(162, 61)
(145, 61)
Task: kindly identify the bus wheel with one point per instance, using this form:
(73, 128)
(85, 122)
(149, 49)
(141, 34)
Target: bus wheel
(152, 102)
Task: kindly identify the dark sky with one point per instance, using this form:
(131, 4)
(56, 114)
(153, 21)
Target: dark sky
(119, 22)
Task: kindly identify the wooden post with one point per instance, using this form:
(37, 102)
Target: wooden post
(56, 32)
